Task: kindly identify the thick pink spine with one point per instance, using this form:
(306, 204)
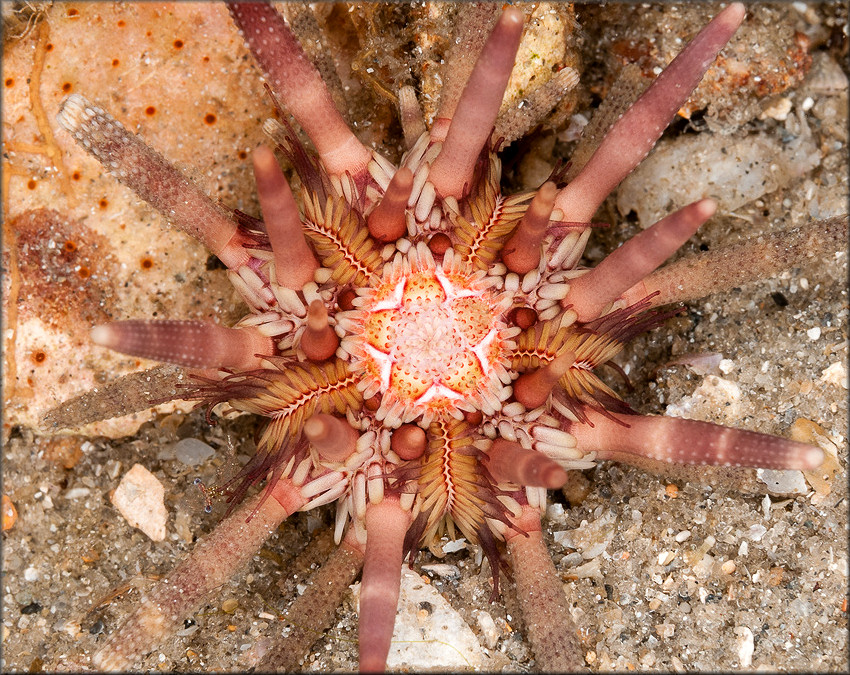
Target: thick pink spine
(215, 558)
(532, 389)
(314, 611)
(319, 341)
(509, 462)
(680, 441)
(590, 294)
(478, 107)
(757, 258)
(633, 135)
(521, 253)
(540, 593)
(193, 344)
(299, 86)
(386, 524)
(150, 176)
(474, 25)
(294, 261)
(333, 438)
(387, 220)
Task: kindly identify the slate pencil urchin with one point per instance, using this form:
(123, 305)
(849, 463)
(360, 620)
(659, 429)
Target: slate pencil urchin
(423, 346)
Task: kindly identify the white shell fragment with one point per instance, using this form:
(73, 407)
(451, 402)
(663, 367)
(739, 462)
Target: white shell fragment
(836, 374)
(745, 646)
(428, 631)
(734, 172)
(783, 482)
(140, 499)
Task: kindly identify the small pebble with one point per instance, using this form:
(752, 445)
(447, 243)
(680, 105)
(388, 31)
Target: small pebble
(782, 481)
(665, 630)
(666, 557)
(229, 606)
(191, 451)
(572, 559)
(648, 659)
(777, 110)
(77, 492)
(71, 627)
(10, 513)
(592, 568)
(746, 646)
(189, 630)
(813, 333)
(489, 631)
(728, 567)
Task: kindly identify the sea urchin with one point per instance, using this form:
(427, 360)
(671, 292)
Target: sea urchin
(423, 346)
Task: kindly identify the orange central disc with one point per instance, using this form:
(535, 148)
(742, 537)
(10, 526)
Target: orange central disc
(430, 340)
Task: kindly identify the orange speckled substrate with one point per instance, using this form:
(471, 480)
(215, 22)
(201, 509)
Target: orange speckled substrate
(82, 249)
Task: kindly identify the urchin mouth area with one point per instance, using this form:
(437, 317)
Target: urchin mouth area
(429, 339)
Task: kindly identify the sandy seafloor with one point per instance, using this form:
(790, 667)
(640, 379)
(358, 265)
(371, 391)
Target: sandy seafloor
(645, 601)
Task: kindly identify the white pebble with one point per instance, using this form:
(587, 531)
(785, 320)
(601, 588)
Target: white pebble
(765, 506)
(77, 492)
(746, 646)
(489, 631)
(777, 110)
(666, 557)
(813, 333)
(140, 499)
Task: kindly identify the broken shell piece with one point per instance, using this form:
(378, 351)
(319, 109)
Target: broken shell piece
(139, 498)
(806, 431)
